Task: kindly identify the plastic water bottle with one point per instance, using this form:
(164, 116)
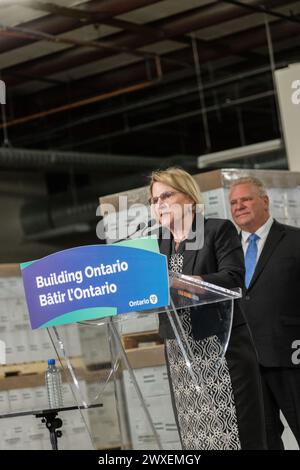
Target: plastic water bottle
(54, 385)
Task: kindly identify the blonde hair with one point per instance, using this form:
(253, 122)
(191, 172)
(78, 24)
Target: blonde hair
(250, 180)
(178, 179)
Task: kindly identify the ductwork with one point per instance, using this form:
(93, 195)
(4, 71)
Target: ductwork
(48, 159)
(66, 213)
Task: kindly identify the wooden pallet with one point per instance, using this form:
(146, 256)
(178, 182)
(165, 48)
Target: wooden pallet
(141, 340)
(144, 349)
(10, 270)
(32, 374)
(32, 368)
(119, 447)
(147, 357)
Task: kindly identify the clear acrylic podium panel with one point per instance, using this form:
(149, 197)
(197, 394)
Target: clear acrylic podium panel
(125, 366)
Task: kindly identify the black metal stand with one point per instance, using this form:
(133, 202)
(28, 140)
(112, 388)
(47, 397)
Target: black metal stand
(53, 424)
(49, 417)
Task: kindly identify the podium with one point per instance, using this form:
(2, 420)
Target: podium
(142, 427)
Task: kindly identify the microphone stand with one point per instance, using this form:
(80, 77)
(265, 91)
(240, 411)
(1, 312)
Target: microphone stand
(53, 424)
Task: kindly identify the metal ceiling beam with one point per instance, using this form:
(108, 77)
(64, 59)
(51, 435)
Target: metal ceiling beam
(173, 118)
(96, 44)
(238, 42)
(93, 17)
(53, 24)
(262, 9)
(155, 98)
(78, 104)
(90, 17)
(173, 26)
(226, 50)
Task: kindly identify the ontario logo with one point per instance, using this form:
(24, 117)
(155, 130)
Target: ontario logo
(153, 299)
(136, 303)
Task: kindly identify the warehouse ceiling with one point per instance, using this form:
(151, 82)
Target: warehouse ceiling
(143, 77)
(161, 81)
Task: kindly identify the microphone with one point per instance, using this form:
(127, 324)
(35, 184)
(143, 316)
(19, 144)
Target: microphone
(145, 229)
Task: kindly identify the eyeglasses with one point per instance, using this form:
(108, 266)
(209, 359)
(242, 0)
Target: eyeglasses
(163, 197)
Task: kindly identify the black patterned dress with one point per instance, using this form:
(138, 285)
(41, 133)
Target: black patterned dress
(205, 414)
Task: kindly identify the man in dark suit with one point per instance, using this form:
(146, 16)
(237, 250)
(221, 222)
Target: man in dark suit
(271, 302)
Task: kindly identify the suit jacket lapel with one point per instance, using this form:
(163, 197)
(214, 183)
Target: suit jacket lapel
(193, 256)
(189, 261)
(165, 242)
(275, 235)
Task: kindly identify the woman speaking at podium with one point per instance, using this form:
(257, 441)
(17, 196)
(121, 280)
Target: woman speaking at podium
(235, 391)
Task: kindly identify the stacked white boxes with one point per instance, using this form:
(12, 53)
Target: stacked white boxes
(104, 424)
(22, 343)
(24, 346)
(28, 432)
(138, 323)
(95, 346)
(154, 385)
(283, 188)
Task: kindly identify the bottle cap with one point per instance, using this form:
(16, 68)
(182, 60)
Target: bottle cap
(51, 362)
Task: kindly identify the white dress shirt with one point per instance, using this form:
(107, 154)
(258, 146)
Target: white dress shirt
(262, 232)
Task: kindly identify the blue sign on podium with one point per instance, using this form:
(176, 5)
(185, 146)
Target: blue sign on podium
(95, 281)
